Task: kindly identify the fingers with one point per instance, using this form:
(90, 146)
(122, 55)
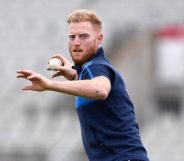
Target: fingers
(58, 56)
(57, 74)
(57, 68)
(23, 73)
(58, 71)
(63, 59)
(21, 76)
(27, 74)
(54, 69)
(48, 69)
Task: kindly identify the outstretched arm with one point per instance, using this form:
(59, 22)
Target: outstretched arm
(97, 88)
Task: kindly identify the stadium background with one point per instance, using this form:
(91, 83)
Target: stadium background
(44, 126)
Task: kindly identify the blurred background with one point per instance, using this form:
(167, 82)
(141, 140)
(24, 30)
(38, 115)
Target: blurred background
(144, 40)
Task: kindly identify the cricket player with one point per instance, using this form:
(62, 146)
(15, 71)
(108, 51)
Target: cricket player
(106, 114)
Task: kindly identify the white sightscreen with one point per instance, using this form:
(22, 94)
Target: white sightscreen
(170, 60)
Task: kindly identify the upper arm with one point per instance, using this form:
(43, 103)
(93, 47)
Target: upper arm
(102, 76)
(102, 86)
(96, 70)
(104, 82)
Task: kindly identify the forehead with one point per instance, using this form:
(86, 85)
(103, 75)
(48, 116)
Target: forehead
(81, 27)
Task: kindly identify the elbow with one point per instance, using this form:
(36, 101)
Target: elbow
(102, 94)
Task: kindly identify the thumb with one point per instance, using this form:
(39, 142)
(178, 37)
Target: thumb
(60, 68)
(27, 88)
(57, 74)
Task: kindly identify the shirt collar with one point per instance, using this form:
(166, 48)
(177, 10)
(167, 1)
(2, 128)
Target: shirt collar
(99, 53)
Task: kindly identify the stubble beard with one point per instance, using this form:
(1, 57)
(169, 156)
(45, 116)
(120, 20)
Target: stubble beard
(85, 56)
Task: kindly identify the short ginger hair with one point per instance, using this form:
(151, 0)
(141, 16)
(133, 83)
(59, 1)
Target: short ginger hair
(82, 15)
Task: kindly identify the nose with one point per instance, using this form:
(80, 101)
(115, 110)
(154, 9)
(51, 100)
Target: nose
(76, 41)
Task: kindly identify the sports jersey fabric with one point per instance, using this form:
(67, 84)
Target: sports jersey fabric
(108, 127)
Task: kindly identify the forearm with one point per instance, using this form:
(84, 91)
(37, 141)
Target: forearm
(83, 88)
(97, 88)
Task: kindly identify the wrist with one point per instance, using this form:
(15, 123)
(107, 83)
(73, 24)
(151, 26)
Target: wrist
(49, 86)
(74, 75)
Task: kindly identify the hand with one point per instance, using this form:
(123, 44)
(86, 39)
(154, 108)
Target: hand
(64, 70)
(63, 60)
(39, 82)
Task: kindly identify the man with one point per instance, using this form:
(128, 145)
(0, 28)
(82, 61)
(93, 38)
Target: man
(106, 114)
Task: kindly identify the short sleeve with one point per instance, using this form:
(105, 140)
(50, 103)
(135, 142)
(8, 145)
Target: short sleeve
(96, 70)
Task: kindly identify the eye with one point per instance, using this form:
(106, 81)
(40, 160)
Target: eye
(83, 36)
(72, 37)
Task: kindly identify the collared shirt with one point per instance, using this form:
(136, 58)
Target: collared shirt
(108, 127)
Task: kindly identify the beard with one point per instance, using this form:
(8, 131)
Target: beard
(81, 56)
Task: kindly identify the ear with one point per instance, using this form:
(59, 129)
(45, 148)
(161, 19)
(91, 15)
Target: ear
(100, 38)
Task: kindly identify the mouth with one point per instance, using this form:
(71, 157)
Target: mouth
(77, 50)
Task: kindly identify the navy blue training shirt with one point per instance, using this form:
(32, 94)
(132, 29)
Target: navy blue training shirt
(99, 70)
(108, 127)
